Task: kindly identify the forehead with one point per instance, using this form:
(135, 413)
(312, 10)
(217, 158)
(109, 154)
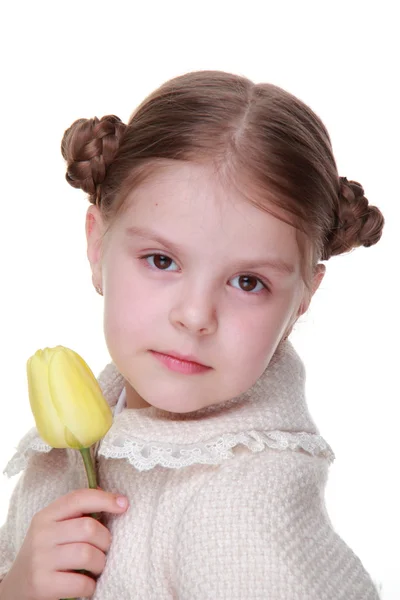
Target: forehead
(191, 203)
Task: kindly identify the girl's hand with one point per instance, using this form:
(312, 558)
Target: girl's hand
(61, 539)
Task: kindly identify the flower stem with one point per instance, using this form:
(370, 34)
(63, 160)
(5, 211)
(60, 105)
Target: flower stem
(92, 480)
(90, 472)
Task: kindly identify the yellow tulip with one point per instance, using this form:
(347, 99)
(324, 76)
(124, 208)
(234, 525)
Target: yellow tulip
(67, 402)
(68, 405)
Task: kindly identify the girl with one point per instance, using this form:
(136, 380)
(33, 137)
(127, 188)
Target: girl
(210, 213)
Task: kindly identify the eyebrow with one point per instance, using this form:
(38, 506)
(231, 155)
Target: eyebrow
(273, 263)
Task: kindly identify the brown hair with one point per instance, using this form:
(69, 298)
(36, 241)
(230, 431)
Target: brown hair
(258, 135)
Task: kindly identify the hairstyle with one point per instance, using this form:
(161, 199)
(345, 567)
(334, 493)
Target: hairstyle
(259, 137)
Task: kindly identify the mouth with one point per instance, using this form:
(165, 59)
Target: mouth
(187, 363)
(184, 358)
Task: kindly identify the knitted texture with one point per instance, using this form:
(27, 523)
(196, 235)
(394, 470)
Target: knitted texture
(225, 503)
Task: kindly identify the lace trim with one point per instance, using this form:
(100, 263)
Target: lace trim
(146, 455)
(30, 444)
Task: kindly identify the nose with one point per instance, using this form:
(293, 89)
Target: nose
(195, 311)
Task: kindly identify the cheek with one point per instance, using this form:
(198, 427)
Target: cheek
(248, 328)
(129, 310)
(250, 335)
(128, 306)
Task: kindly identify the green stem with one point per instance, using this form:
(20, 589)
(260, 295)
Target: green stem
(90, 470)
(92, 480)
(91, 473)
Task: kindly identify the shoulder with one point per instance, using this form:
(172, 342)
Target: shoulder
(52, 472)
(263, 491)
(259, 528)
(41, 465)
(270, 472)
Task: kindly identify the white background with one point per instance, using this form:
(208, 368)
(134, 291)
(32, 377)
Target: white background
(62, 61)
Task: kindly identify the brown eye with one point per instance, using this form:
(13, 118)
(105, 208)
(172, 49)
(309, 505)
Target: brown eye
(161, 261)
(249, 283)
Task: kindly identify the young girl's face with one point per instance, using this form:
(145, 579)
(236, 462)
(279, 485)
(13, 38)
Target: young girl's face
(185, 271)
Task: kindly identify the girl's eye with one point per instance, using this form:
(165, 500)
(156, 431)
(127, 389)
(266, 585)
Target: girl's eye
(249, 283)
(160, 261)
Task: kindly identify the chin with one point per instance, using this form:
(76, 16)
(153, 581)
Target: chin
(174, 406)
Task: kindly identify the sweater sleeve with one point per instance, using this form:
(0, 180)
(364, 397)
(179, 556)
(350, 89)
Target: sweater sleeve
(7, 548)
(258, 528)
(46, 477)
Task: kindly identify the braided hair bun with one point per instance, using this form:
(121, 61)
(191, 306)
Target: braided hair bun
(89, 147)
(357, 223)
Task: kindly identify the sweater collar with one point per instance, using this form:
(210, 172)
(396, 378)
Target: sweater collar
(272, 413)
(275, 401)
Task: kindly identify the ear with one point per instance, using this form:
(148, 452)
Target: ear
(94, 228)
(318, 276)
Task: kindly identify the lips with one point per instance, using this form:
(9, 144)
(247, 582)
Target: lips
(185, 364)
(189, 358)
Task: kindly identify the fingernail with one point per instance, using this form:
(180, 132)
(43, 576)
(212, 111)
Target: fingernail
(122, 501)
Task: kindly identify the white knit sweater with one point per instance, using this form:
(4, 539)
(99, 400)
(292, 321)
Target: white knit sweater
(226, 503)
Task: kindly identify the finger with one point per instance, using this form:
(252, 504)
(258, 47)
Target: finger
(83, 529)
(83, 502)
(70, 557)
(71, 585)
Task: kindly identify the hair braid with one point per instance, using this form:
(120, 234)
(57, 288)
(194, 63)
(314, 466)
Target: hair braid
(89, 147)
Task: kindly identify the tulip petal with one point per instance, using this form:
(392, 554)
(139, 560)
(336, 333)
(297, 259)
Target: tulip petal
(47, 422)
(78, 398)
(71, 440)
